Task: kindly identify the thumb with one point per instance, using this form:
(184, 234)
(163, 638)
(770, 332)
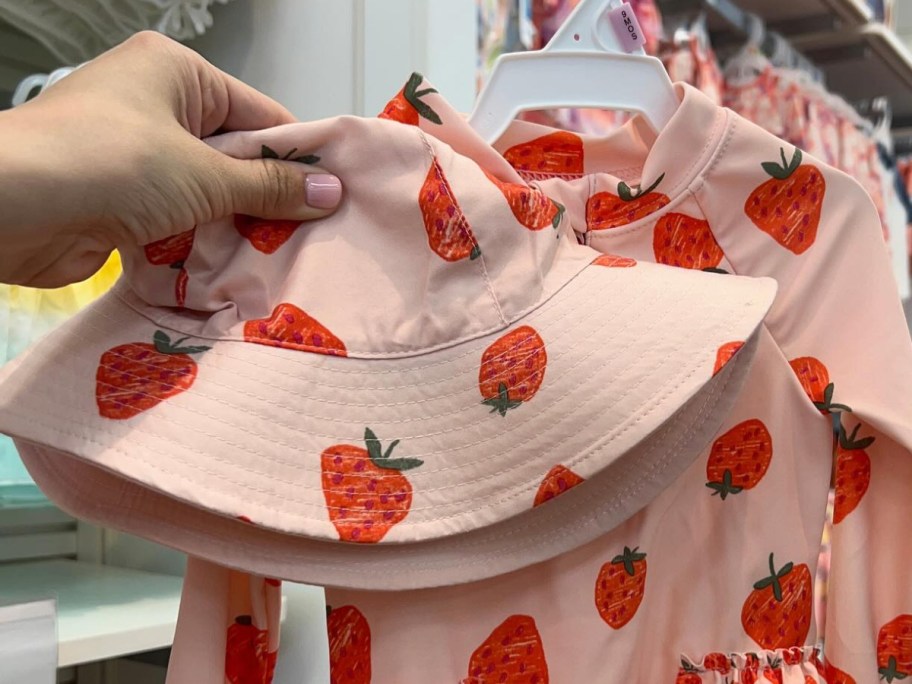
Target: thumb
(273, 189)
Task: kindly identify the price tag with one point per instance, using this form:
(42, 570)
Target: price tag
(627, 28)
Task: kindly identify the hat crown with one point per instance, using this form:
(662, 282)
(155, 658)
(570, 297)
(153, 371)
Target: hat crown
(426, 249)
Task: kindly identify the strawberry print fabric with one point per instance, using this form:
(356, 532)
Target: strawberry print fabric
(721, 568)
(712, 582)
(228, 631)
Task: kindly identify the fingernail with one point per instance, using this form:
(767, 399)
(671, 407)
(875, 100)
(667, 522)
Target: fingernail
(323, 190)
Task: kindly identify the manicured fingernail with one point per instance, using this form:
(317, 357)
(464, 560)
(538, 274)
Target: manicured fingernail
(323, 190)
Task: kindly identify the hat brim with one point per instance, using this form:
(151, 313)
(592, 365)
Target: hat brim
(630, 397)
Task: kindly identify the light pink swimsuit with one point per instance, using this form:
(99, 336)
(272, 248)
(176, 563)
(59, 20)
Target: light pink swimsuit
(713, 582)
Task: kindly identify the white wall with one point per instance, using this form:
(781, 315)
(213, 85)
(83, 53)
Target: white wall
(322, 58)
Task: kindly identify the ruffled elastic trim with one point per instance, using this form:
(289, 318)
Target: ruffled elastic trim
(783, 664)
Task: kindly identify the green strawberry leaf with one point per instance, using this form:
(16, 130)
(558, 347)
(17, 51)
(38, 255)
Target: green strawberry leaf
(626, 194)
(245, 620)
(724, 488)
(389, 450)
(413, 97)
(890, 673)
(559, 216)
(786, 169)
(628, 558)
(711, 269)
(401, 464)
(850, 443)
(412, 85)
(190, 350)
(307, 159)
(162, 341)
(774, 577)
(502, 402)
(268, 153)
(476, 252)
(374, 450)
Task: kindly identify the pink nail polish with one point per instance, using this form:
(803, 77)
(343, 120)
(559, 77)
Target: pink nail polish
(323, 190)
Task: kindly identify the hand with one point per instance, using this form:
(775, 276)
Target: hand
(111, 155)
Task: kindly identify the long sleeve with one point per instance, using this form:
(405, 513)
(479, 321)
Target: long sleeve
(839, 321)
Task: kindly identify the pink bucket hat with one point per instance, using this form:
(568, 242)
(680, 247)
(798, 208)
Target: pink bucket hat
(386, 397)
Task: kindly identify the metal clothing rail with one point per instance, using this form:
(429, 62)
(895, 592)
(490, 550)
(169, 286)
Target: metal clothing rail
(749, 25)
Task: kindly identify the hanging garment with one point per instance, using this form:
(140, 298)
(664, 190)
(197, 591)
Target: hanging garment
(731, 571)
(691, 61)
(705, 577)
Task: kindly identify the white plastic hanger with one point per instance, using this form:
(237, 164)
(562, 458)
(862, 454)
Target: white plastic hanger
(585, 65)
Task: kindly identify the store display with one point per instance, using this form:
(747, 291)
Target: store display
(420, 525)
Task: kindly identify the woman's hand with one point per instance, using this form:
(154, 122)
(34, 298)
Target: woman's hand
(112, 155)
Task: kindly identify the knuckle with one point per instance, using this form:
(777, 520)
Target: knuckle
(279, 187)
(147, 40)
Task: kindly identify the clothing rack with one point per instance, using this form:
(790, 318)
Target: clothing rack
(727, 16)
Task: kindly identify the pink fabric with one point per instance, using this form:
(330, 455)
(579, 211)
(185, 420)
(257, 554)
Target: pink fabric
(692, 62)
(228, 628)
(672, 595)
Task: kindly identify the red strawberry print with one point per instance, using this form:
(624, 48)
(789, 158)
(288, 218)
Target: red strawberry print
(349, 646)
(291, 328)
(620, 587)
(815, 379)
(725, 354)
(777, 613)
(787, 207)
(894, 649)
(268, 235)
(717, 662)
(136, 377)
(365, 491)
(408, 106)
(247, 658)
(750, 672)
(558, 480)
(773, 672)
(686, 242)
(606, 210)
(180, 287)
(688, 676)
(614, 261)
(792, 656)
(853, 473)
(531, 207)
(448, 230)
(512, 370)
(836, 676)
(739, 458)
(512, 654)
(559, 153)
(172, 251)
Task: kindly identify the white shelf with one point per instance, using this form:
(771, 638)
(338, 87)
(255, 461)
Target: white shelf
(866, 62)
(103, 612)
(850, 12)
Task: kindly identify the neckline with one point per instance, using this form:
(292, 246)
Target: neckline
(690, 140)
